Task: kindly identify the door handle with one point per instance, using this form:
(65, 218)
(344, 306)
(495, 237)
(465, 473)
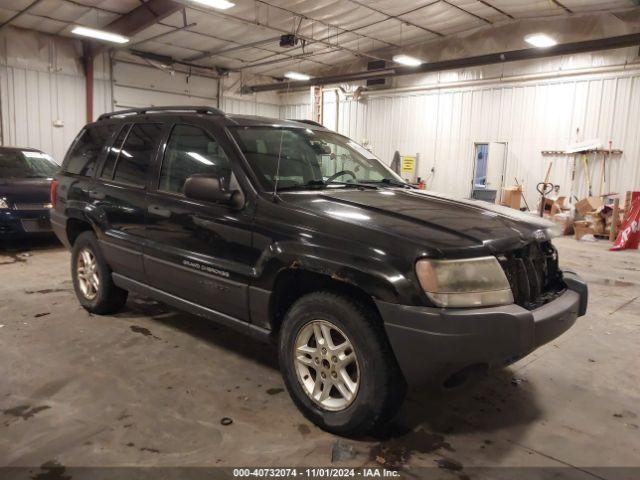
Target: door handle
(159, 211)
(95, 194)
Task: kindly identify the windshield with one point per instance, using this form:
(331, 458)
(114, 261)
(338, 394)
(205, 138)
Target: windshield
(26, 164)
(309, 158)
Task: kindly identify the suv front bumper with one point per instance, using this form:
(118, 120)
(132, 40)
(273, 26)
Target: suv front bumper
(431, 344)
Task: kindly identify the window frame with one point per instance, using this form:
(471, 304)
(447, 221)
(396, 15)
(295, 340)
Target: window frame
(163, 154)
(152, 161)
(124, 126)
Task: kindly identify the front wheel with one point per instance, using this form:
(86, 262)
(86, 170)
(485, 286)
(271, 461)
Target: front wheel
(337, 364)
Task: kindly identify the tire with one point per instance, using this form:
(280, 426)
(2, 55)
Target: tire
(380, 387)
(106, 298)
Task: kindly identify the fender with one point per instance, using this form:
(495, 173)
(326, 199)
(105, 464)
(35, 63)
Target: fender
(381, 280)
(339, 265)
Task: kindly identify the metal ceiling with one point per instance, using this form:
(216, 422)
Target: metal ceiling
(336, 32)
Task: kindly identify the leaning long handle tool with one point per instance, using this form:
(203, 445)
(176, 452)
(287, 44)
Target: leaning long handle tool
(544, 188)
(587, 173)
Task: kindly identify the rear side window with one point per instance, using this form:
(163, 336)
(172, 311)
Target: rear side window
(136, 154)
(83, 154)
(114, 153)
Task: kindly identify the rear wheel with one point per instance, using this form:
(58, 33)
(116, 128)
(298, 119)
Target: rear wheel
(337, 364)
(92, 277)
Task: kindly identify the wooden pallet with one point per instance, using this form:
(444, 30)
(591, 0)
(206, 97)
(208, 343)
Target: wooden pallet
(601, 236)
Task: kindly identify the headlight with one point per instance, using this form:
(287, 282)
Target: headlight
(4, 203)
(473, 282)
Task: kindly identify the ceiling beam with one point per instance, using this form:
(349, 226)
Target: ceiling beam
(257, 47)
(160, 35)
(564, 7)
(139, 19)
(467, 12)
(397, 17)
(257, 24)
(499, 10)
(143, 16)
(599, 44)
(342, 30)
(221, 51)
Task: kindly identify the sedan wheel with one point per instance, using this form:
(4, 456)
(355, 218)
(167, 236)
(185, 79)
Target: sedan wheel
(326, 365)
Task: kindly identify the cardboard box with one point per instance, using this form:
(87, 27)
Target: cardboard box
(511, 197)
(588, 204)
(564, 221)
(582, 228)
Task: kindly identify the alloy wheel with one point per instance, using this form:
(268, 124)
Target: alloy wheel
(87, 273)
(326, 365)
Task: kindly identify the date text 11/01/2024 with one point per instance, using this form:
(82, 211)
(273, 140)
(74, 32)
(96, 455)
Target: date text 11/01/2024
(315, 472)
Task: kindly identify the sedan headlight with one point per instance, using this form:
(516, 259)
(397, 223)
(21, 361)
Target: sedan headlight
(473, 282)
(4, 203)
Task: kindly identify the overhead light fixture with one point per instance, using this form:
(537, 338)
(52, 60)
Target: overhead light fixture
(540, 40)
(407, 60)
(99, 35)
(297, 76)
(219, 4)
(200, 158)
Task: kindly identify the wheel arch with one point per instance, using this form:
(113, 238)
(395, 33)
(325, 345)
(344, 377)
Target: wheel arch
(293, 283)
(75, 226)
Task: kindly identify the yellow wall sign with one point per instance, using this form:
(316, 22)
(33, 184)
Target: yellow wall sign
(408, 164)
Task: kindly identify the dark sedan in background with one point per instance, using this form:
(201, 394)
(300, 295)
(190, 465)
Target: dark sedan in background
(25, 182)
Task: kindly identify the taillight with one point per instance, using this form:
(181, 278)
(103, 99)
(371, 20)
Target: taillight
(54, 192)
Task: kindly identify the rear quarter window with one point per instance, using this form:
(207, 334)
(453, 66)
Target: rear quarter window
(137, 154)
(83, 155)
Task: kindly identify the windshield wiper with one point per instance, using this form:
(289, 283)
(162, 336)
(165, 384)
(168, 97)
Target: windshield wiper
(390, 181)
(319, 184)
(303, 186)
(353, 184)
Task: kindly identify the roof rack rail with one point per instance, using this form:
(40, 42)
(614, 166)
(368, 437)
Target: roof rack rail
(177, 108)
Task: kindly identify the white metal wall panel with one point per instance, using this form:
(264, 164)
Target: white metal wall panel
(32, 100)
(301, 111)
(442, 125)
(250, 107)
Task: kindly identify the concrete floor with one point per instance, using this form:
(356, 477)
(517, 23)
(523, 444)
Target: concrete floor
(150, 386)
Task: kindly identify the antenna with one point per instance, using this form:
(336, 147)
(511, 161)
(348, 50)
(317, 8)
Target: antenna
(275, 183)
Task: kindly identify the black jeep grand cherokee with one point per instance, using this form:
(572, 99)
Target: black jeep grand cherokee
(296, 234)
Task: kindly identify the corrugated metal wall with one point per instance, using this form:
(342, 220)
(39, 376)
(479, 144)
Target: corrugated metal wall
(32, 100)
(295, 106)
(443, 124)
(250, 107)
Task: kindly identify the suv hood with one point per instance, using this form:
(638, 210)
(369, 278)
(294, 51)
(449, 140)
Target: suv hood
(436, 222)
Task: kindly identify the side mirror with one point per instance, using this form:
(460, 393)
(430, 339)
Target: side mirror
(209, 189)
